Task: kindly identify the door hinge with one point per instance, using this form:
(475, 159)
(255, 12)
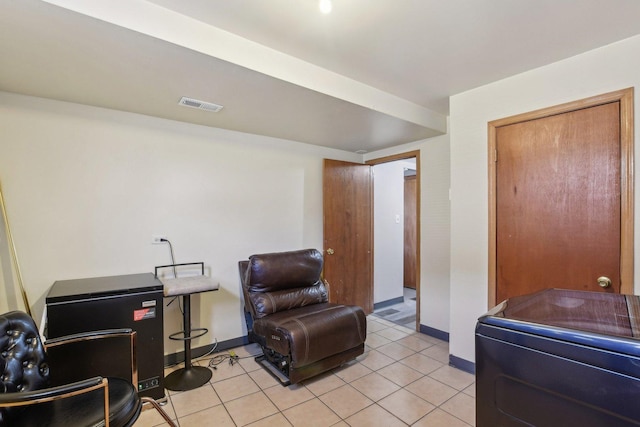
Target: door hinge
(495, 156)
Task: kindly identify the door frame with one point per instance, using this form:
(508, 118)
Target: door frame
(404, 156)
(625, 98)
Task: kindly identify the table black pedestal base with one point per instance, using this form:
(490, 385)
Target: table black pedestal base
(187, 379)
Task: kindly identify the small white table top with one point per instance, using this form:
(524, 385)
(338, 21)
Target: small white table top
(188, 285)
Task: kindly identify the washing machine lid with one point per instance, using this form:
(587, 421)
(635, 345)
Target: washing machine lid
(608, 321)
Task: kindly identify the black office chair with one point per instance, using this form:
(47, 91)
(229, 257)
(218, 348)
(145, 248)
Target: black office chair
(53, 389)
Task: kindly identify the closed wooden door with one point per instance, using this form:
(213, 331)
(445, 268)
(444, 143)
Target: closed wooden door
(558, 199)
(410, 232)
(348, 219)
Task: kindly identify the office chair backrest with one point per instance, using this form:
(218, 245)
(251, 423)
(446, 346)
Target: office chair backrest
(23, 362)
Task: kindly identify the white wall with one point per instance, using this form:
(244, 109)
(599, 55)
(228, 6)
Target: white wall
(10, 296)
(388, 235)
(435, 232)
(599, 71)
(86, 188)
(434, 227)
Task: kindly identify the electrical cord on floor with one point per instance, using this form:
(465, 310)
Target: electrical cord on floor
(230, 356)
(213, 348)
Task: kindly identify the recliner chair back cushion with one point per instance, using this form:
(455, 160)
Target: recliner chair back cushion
(282, 281)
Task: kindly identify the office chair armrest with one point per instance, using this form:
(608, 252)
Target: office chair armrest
(83, 336)
(52, 393)
(105, 353)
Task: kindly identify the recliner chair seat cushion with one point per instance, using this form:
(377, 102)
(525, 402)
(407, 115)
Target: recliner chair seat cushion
(314, 332)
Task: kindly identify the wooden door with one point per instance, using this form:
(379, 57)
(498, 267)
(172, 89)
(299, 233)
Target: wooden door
(348, 250)
(558, 195)
(410, 234)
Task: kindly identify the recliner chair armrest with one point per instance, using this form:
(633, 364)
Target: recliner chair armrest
(327, 286)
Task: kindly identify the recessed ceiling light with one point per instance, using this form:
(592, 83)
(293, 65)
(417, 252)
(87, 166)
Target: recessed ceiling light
(325, 6)
(201, 105)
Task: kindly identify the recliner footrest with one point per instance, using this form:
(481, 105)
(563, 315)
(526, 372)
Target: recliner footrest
(314, 332)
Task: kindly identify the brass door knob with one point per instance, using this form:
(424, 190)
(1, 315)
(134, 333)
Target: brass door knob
(604, 282)
(330, 251)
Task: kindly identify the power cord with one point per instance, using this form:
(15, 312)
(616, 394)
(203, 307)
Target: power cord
(213, 348)
(173, 261)
(230, 356)
(175, 274)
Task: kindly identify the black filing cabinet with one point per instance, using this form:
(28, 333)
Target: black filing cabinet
(130, 301)
(559, 358)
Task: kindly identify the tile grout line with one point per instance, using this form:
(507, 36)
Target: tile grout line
(406, 347)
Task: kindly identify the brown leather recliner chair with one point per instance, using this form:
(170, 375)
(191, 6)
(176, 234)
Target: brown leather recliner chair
(288, 314)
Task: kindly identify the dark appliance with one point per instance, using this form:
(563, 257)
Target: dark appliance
(130, 301)
(559, 358)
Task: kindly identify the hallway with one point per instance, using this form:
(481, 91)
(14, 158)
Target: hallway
(403, 313)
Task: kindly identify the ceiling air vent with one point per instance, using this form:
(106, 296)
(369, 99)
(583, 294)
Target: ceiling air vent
(201, 105)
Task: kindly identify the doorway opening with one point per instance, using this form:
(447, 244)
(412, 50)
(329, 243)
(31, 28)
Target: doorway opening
(395, 239)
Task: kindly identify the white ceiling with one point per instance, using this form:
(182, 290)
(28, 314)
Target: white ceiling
(370, 75)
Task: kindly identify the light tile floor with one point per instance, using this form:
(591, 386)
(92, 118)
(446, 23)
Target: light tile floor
(403, 378)
(402, 313)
